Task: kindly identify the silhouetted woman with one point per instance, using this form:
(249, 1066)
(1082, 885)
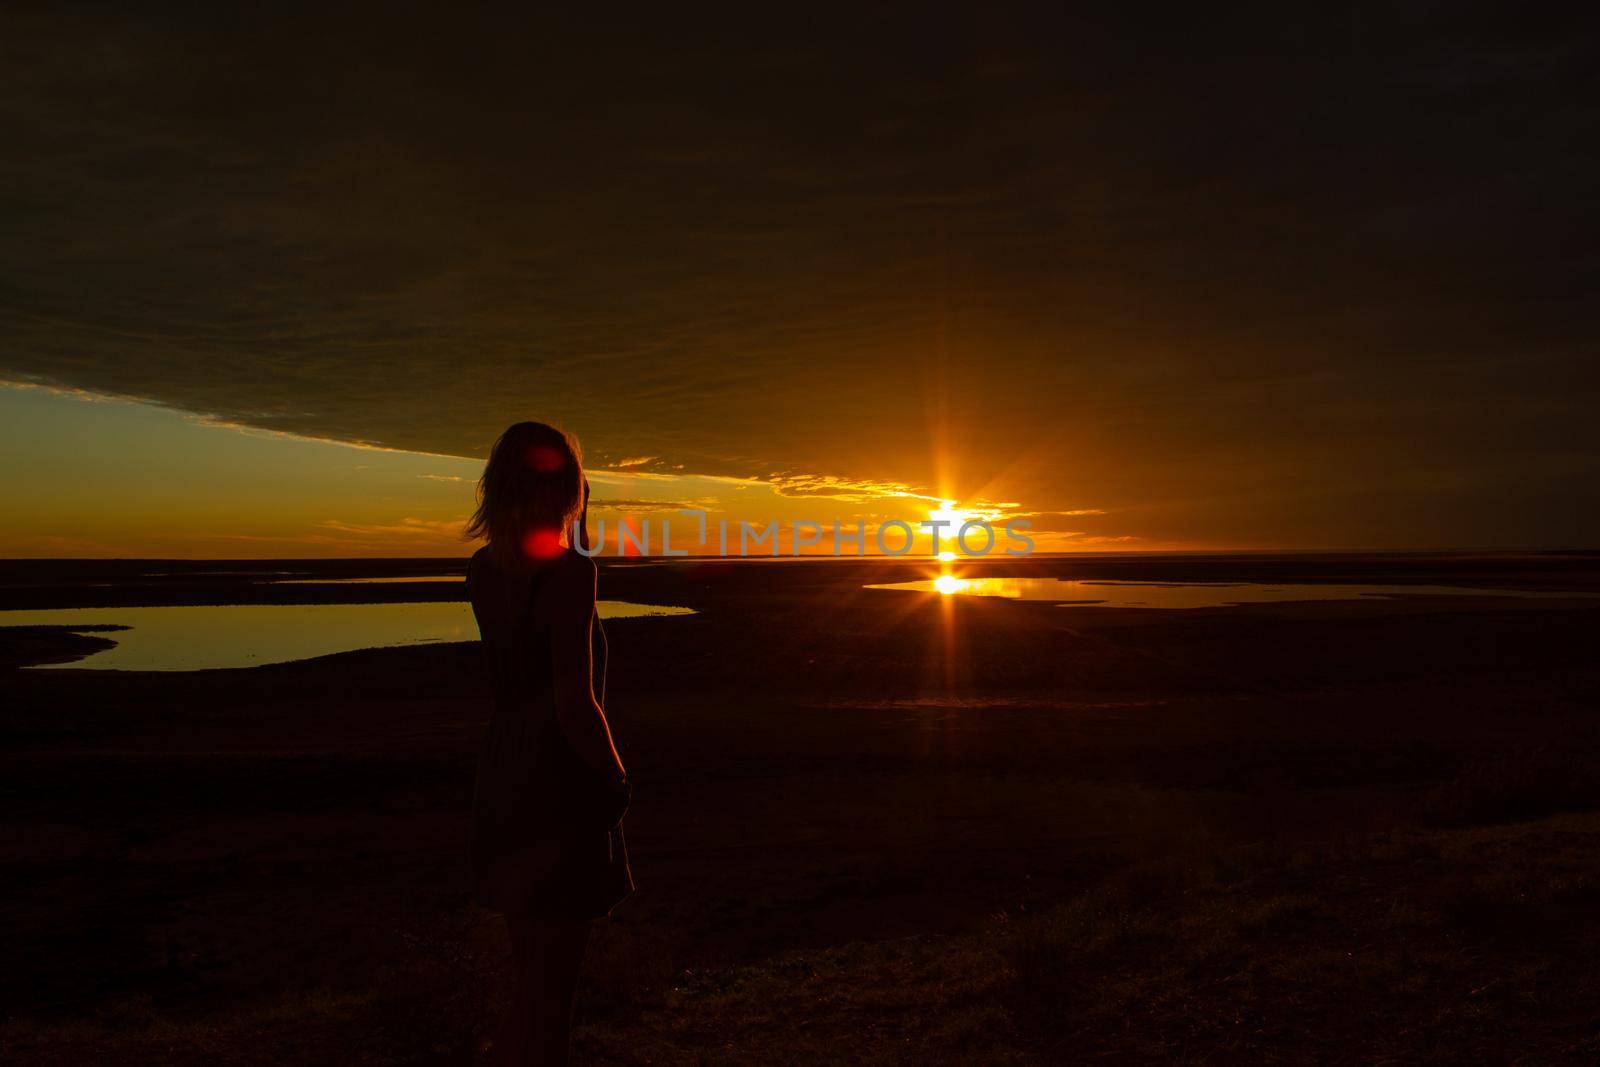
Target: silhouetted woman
(547, 845)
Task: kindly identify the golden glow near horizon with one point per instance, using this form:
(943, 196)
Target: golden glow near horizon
(95, 476)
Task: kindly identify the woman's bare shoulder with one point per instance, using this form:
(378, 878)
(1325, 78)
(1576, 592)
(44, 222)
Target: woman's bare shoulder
(569, 588)
(574, 574)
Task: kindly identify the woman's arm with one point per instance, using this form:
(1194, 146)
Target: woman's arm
(579, 714)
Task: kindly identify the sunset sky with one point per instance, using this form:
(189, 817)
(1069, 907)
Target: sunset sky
(274, 279)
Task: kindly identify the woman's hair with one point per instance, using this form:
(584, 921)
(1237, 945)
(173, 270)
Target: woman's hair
(531, 490)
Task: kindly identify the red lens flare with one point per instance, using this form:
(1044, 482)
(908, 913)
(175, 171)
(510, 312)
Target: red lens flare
(546, 459)
(542, 543)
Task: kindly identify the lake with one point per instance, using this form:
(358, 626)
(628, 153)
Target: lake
(1170, 595)
(193, 638)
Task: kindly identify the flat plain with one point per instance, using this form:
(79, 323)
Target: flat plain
(869, 825)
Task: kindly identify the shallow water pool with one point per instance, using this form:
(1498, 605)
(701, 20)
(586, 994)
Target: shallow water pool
(193, 638)
(1115, 594)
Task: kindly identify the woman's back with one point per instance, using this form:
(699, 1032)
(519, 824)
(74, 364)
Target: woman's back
(514, 612)
(514, 624)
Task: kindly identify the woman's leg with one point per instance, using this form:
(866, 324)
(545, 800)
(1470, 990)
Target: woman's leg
(557, 947)
(516, 1026)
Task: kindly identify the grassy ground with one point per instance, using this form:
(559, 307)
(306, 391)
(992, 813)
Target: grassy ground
(1428, 946)
(867, 830)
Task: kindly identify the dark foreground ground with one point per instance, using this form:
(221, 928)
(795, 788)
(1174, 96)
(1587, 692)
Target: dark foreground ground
(869, 827)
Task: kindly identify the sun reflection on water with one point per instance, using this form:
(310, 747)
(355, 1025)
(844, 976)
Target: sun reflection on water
(1112, 593)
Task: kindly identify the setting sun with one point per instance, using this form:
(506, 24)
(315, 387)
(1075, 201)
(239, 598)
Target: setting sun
(953, 517)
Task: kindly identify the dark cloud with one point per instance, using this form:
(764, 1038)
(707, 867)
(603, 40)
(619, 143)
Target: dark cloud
(1245, 274)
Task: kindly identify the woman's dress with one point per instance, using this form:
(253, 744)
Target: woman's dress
(537, 849)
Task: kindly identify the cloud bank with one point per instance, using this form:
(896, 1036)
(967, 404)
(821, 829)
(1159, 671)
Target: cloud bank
(1253, 277)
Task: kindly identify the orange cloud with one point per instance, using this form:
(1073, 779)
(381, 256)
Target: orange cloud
(430, 529)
